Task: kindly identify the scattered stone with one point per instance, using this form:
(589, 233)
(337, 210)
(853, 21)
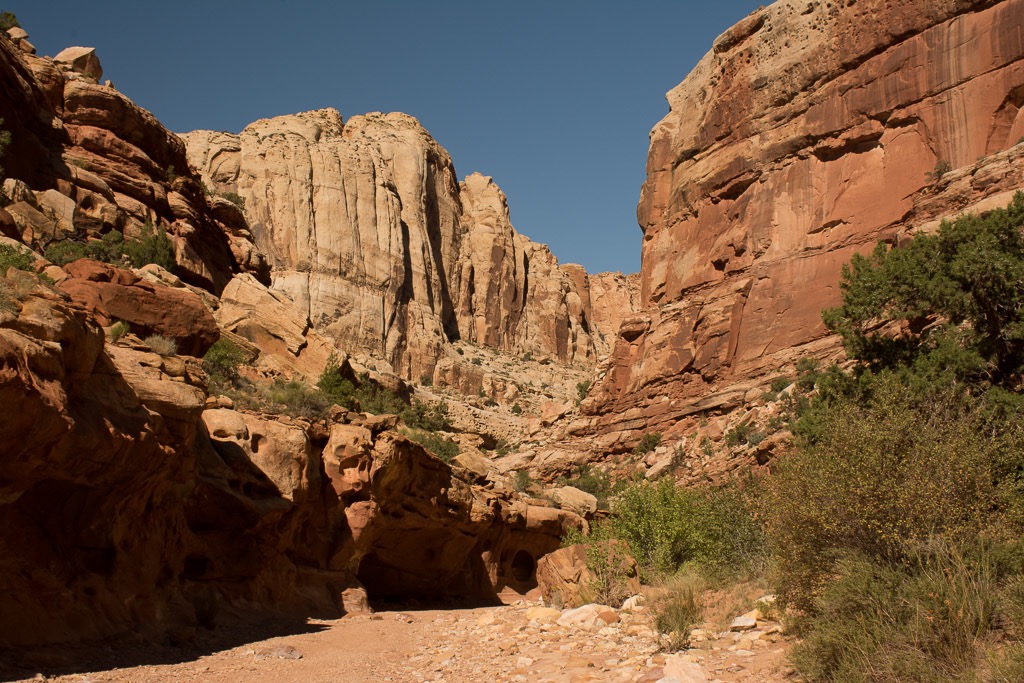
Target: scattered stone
(280, 652)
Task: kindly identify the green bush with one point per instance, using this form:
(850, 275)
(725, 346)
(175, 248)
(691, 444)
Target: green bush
(920, 620)
(298, 400)
(517, 409)
(235, 198)
(678, 609)
(523, 482)
(8, 21)
(340, 390)
(956, 295)
(118, 330)
(153, 246)
(668, 526)
(582, 389)
(11, 257)
(222, 361)
(881, 478)
(608, 559)
(738, 435)
(443, 447)
(431, 417)
(648, 442)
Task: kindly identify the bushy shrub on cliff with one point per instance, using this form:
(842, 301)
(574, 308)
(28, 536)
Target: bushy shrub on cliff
(14, 258)
(153, 246)
(896, 523)
(8, 21)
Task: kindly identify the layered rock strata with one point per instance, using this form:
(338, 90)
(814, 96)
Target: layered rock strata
(374, 239)
(810, 131)
(132, 501)
(96, 162)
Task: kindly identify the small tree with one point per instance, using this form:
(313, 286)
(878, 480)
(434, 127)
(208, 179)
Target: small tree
(8, 21)
(953, 301)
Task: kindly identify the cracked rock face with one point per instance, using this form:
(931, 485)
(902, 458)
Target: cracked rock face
(371, 234)
(809, 132)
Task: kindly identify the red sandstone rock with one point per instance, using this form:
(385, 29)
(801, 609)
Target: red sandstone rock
(803, 137)
(113, 294)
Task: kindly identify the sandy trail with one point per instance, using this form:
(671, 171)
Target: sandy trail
(500, 644)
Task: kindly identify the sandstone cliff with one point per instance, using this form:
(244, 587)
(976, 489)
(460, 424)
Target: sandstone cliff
(810, 131)
(89, 161)
(371, 235)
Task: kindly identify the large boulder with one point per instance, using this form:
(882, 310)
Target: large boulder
(113, 294)
(81, 60)
(565, 578)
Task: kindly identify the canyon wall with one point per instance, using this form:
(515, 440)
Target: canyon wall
(370, 233)
(85, 161)
(809, 132)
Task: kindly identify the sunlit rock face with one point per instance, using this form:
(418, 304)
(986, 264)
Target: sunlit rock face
(370, 232)
(810, 131)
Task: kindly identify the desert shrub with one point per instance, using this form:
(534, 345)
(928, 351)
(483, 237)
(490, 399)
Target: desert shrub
(956, 296)
(780, 383)
(297, 399)
(942, 167)
(426, 379)
(118, 330)
(738, 435)
(64, 252)
(880, 478)
(608, 558)
(235, 198)
(667, 526)
(648, 442)
(582, 389)
(429, 417)
(222, 361)
(8, 21)
(441, 446)
(678, 608)
(10, 257)
(517, 409)
(162, 345)
(919, 620)
(153, 246)
(340, 390)
(523, 482)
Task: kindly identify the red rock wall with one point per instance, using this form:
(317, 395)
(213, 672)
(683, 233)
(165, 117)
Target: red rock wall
(806, 134)
(115, 163)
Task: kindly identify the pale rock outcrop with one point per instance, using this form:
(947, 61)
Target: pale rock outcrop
(806, 134)
(382, 249)
(82, 60)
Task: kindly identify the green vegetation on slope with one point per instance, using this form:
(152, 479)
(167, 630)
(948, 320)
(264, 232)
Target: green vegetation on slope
(893, 529)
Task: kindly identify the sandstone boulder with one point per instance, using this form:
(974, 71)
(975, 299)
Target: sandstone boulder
(113, 294)
(571, 498)
(81, 60)
(564, 577)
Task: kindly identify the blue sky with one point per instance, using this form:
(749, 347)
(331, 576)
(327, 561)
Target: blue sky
(553, 99)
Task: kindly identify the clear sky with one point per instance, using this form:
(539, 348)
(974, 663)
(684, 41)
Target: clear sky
(554, 99)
